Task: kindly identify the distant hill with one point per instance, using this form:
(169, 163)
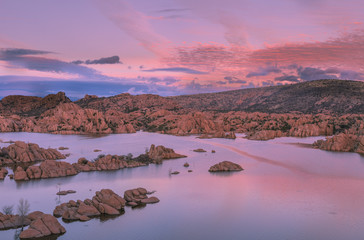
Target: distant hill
(30, 106)
(321, 96)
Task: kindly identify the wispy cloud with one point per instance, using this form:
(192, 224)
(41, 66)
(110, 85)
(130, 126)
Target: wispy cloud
(24, 58)
(134, 23)
(345, 52)
(173, 10)
(233, 80)
(264, 71)
(106, 60)
(8, 53)
(288, 78)
(175, 69)
(348, 49)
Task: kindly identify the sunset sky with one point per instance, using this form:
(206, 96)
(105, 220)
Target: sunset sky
(173, 47)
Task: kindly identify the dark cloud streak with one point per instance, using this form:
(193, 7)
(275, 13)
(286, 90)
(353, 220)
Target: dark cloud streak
(106, 60)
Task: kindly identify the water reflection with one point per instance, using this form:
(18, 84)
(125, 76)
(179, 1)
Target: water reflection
(285, 191)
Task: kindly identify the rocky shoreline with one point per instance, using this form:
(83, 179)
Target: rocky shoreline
(54, 169)
(104, 203)
(21, 152)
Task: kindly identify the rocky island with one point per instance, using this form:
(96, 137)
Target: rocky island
(54, 169)
(225, 166)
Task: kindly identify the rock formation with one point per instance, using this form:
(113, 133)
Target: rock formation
(21, 152)
(12, 221)
(261, 113)
(47, 169)
(105, 202)
(200, 150)
(219, 134)
(138, 196)
(54, 169)
(264, 135)
(65, 192)
(30, 106)
(342, 143)
(161, 153)
(42, 225)
(225, 166)
(110, 162)
(3, 173)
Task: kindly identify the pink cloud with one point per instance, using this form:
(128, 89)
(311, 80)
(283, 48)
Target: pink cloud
(135, 24)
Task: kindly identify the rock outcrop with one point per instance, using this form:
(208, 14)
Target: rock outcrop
(225, 166)
(219, 134)
(264, 135)
(105, 202)
(261, 113)
(21, 152)
(342, 143)
(20, 174)
(42, 225)
(161, 153)
(31, 106)
(65, 192)
(110, 162)
(8, 221)
(199, 150)
(47, 169)
(3, 173)
(54, 169)
(138, 196)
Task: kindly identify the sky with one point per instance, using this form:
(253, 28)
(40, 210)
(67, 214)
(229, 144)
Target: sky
(175, 47)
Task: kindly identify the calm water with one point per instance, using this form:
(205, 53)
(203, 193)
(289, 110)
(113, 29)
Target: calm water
(285, 191)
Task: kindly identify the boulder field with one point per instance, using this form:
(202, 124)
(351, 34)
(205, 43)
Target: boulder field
(261, 113)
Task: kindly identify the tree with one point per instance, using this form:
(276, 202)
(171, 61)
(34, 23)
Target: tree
(129, 156)
(23, 210)
(8, 210)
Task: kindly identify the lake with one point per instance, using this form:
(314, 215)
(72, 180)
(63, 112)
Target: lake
(285, 192)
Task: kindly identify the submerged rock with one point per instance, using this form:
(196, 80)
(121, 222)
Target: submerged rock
(65, 192)
(200, 150)
(225, 166)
